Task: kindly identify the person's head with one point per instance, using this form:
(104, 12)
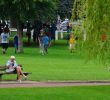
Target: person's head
(12, 58)
(5, 30)
(42, 31)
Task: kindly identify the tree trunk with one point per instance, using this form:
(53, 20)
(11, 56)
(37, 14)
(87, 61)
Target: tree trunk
(20, 37)
(13, 23)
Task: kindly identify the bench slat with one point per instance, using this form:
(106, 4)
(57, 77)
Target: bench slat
(4, 73)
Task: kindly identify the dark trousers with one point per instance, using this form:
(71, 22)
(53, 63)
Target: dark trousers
(46, 48)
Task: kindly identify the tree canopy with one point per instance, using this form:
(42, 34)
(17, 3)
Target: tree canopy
(26, 9)
(23, 10)
(95, 18)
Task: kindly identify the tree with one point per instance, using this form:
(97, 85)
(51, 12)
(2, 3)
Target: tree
(20, 11)
(95, 18)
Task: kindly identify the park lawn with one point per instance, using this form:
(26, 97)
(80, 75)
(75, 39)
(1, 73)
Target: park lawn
(57, 93)
(58, 65)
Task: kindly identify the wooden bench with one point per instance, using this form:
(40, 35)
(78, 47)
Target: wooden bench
(3, 72)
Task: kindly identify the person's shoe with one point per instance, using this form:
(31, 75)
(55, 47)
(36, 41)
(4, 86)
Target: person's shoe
(19, 81)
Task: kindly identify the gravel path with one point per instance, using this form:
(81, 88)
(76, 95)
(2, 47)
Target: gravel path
(28, 84)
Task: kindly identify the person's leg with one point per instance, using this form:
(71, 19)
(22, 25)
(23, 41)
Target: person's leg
(73, 46)
(18, 74)
(70, 48)
(21, 73)
(42, 48)
(46, 48)
(16, 48)
(6, 47)
(3, 48)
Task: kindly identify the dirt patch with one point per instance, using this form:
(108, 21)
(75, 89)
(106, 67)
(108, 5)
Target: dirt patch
(28, 84)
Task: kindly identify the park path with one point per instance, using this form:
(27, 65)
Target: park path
(28, 84)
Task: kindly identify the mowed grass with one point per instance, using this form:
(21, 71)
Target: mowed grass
(58, 65)
(57, 93)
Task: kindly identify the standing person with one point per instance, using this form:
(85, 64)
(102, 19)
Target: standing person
(4, 41)
(68, 32)
(41, 45)
(72, 43)
(53, 29)
(28, 33)
(12, 66)
(16, 43)
(45, 40)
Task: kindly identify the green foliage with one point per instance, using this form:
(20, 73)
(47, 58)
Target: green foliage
(46, 9)
(17, 9)
(22, 10)
(95, 18)
(26, 9)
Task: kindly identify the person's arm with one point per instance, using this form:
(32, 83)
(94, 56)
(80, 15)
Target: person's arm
(8, 64)
(15, 64)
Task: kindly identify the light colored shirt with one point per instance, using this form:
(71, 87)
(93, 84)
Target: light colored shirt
(10, 64)
(4, 38)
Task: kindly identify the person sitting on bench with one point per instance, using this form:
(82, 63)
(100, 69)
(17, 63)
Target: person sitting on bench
(12, 66)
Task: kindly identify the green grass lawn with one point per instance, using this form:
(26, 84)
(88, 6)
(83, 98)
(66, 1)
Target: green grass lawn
(57, 93)
(59, 64)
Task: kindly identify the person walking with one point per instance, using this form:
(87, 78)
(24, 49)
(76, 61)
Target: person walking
(4, 41)
(45, 40)
(41, 45)
(16, 43)
(72, 43)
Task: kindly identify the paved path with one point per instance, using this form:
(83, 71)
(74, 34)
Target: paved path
(28, 84)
